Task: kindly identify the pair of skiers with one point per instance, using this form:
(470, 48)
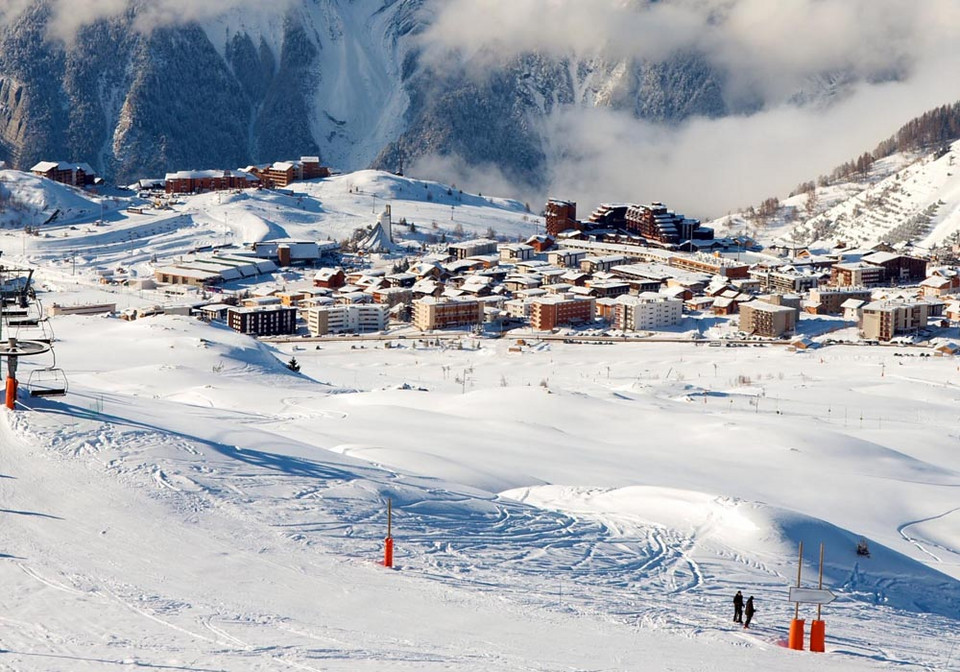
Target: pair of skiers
(740, 609)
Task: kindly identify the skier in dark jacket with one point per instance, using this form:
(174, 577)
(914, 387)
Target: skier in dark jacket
(738, 607)
(749, 610)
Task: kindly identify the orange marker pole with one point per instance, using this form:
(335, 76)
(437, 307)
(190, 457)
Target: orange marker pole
(388, 542)
(818, 629)
(795, 641)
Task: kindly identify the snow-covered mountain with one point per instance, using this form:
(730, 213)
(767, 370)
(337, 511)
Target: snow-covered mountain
(343, 79)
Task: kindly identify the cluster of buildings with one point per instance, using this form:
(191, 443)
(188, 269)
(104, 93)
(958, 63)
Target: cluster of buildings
(275, 175)
(265, 257)
(652, 224)
(635, 267)
(584, 275)
(270, 176)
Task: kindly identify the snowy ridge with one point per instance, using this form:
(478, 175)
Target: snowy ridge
(29, 200)
(905, 199)
(916, 204)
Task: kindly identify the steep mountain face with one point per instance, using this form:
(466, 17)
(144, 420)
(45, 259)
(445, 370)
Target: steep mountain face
(344, 79)
(133, 104)
(493, 118)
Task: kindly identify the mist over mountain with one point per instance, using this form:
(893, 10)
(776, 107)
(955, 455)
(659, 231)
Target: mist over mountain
(712, 103)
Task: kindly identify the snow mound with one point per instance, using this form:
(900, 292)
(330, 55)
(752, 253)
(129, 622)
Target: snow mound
(35, 199)
(762, 536)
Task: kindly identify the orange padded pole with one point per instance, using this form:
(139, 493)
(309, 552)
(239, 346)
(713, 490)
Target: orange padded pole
(818, 632)
(11, 392)
(388, 542)
(796, 634)
(388, 552)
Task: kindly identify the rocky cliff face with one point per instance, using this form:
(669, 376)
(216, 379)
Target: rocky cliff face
(342, 79)
(134, 104)
(493, 119)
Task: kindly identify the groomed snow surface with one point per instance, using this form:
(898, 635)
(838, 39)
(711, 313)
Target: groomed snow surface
(191, 504)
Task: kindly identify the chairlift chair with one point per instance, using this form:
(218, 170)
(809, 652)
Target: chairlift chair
(48, 381)
(32, 329)
(31, 325)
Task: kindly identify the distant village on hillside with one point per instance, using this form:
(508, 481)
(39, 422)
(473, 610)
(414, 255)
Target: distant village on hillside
(625, 270)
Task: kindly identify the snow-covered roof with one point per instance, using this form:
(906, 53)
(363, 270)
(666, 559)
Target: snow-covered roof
(45, 166)
(426, 286)
(327, 273)
(516, 247)
(936, 281)
(215, 307)
(881, 257)
(186, 272)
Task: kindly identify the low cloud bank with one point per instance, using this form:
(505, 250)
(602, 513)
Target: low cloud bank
(891, 57)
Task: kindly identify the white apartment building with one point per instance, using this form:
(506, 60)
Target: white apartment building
(647, 311)
(518, 308)
(346, 318)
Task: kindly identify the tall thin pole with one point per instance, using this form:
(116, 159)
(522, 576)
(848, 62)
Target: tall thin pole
(796, 609)
(820, 584)
(389, 517)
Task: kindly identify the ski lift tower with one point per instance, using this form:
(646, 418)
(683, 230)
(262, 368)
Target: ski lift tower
(13, 350)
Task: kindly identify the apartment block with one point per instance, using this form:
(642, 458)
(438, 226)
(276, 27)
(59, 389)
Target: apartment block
(829, 301)
(857, 274)
(516, 252)
(882, 320)
(263, 320)
(346, 318)
(551, 311)
(566, 258)
(765, 319)
(648, 311)
(560, 216)
(473, 248)
(785, 282)
(430, 313)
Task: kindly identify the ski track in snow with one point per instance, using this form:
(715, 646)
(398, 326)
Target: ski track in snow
(922, 545)
(56, 585)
